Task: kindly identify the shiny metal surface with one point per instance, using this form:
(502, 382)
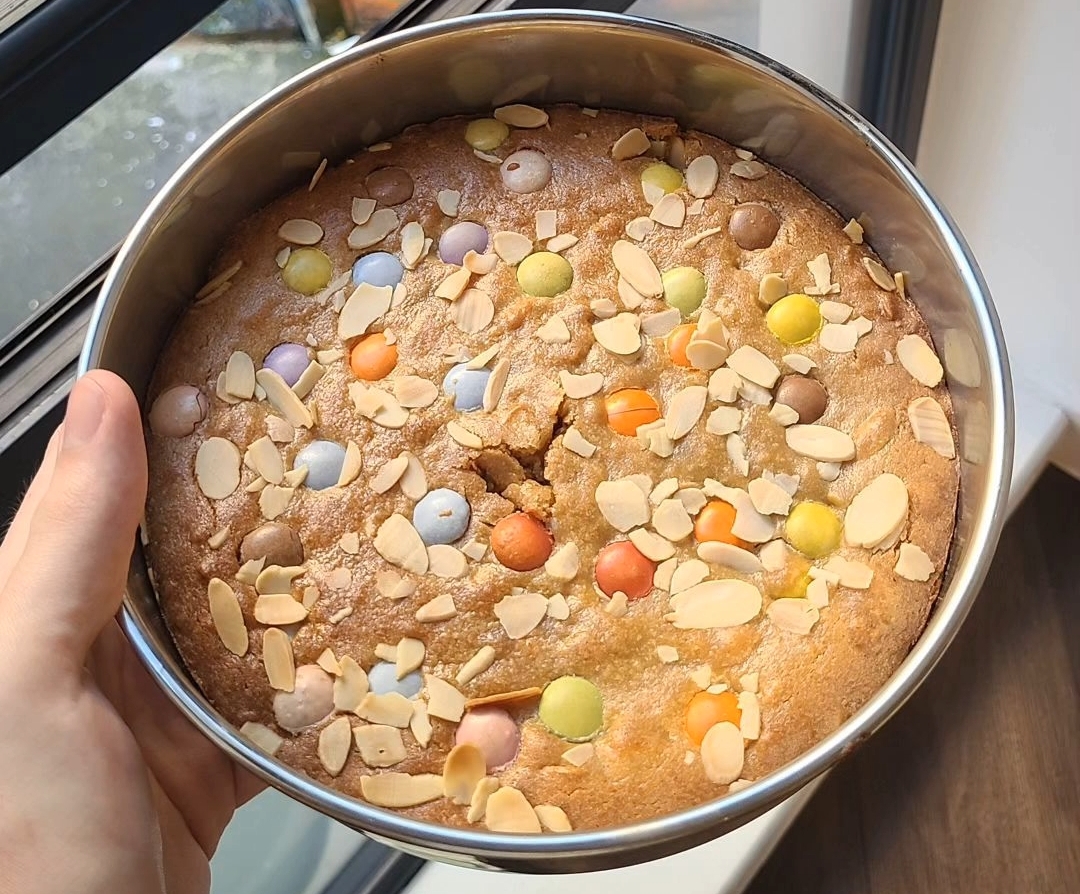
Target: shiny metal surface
(468, 66)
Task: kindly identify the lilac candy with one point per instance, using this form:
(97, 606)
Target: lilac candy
(382, 679)
(493, 731)
(380, 268)
(460, 239)
(324, 460)
(526, 171)
(289, 361)
(466, 386)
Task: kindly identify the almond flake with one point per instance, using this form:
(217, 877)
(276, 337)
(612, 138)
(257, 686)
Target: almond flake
(508, 810)
(448, 200)
(454, 285)
(398, 790)
(480, 265)
(280, 431)
(670, 211)
(546, 224)
(820, 442)
(862, 325)
(774, 556)
(577, 387)
(240, 376)
(476, 665)
(279, 610)
(341, 614)
(715, 603)
(218, 538)
(392, 585)
(693, 499)
(621, 335)
(666, 488)
(617, 605)
(284, 399)
(473, 311)
(876, 512)
(262, 737)
(667, 654)
(335, 740)
(639, 228)
(930, 426)
(386, 652)
(277, 655)
(722, 749)
(512, 247)
(412, 244)
(828, 471)
(264, 458)
(478, 804)
(664, 572)
(637, 268)
(913, 564)
(750, 525)
(413, 392)
(327, 660)
(730, 556)
(821, 270)
(919, 359)
(377, 227)
(520, 115)
(299, 231)
(881, 277)
(564, 563)
(391, 709)
(463, 770)
(754, 366)
(736, 451)
(339, 579)
(362, 209)
(622, 504)
(701, 176)
(444, 701)
(495, 384)
(558, 608)
(652, 546)
(799, 363)
(250, 570)
(488, 157)
(221, 279)
(379, 745)
(227, 617)
(501, 698)
(420, 725)
(446, 561)
(688, 574)
(671, 520)
(603, 308)
(855, 575)
(854, 231)
(685, 410)
(554, 331)
(309, 378)
(838, 338)
(771, 289)
(398, 542)
(277, 579)
(659, 324)
(835, 311)
(793, 615)
(389, 474)
(749, 170)
(901, 287)
(769, 498)
(631, 144)
(441, 608)
(217, 468)
(724, 385)
(553, 819)
(783, 415)
(520, 614)
(350, 465)
(377, 405)
(744, 154)
(463, 436)
(410, 655)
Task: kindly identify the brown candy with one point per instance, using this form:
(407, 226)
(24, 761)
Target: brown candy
(389, 186)
(804, 395)
(753, 226)
(279, 543)
(177, 411)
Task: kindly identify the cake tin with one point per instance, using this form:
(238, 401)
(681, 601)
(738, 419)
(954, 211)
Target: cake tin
(468, 66)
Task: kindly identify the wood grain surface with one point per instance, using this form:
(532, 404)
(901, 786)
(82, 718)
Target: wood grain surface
(975, 785)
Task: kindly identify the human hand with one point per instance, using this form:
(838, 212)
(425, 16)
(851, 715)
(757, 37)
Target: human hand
(104, 785)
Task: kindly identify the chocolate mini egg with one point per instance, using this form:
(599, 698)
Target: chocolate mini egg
(177, 411)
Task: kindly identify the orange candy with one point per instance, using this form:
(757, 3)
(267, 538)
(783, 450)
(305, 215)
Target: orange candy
(372, 358)
(629, 408)
(714, 523)
(622, 566)
(677, 342)
(521, 542)
(706, 709)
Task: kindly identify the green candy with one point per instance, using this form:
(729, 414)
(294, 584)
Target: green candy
(307, 270)
(572, 708)
(813, 529)
(684, 289)
(662, 176)
(545, 274)
(486, 134)
(794, 319)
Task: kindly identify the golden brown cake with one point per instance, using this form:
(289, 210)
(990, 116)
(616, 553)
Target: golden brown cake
(553, 470)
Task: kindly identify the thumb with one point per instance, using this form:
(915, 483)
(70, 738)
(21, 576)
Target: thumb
(70, 578)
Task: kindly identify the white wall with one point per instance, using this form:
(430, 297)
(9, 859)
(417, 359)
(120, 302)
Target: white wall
(1001, 148)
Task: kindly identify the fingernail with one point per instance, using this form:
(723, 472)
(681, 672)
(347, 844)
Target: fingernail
(86, 406)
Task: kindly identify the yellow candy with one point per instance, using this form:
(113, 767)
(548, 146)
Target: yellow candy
(813, 529)
(307, 271)
(486, 134)
(545, 274)
(663, 176)
(794, 319)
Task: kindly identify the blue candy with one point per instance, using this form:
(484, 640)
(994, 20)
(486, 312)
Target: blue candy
(442, 516)
(466, 386)
(379, 268)
(382, 679)
(324, 460)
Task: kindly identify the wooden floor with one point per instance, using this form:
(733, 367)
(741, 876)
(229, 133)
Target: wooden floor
(975, 785)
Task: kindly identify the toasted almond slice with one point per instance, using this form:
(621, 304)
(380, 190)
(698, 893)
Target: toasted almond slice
(279, 609)
(362, 209)
(552, 818)
(473, 311)
(715, 603)
(277, 579)
(651, 545)
(547, 224)
(664, 573)
(420, 725)
(300, 231)
(659, 324)
(671, 520)
(562, 242)
(876, 512)
(558, 608)
(930, 426)
(724, 385)
(512, 247)
(820, 442)
(799, 362)
(508, 810)
(364, 306)
(262, 737)
(476, 665)
(377, 227)
(881, 277)
(688, 574)
(386, 652)
(768, 497)
(637, 268)
(410, 655)
(327, 660)
(771, 289)
(667, 654)
(579, 755)
(685, 410)
(309, 378)
(463, 436)
(446, 561)
(838, 338)
(854, 231)
(575, 442)
(398, 790)
(783, 415)
(729, 556)
(240, 375)
(913, 564)
(702, 175)
(414, 392)
(391, 709)
(821, 270)
(478, 804)
(749, 170)
(631, 144)
(621, 335)
(697, 239)
(218, 538)
(665, 489)
(754, 366)
(502, 698)
(622, 504)
(521, 115)
(227, 617)
(849, 573)
(250, 570)
(479, 264)
(581, 386)
(441, 608)
(465, 766)
(277, 655)
(389, 474)
(283, 399)
(774, 555)
(603, 308)
(379, 745)
(412, 244)
(521, 613)
(280, 431)
(793, 615)
(267, 460)
(554, 331)
(724, 421)
(639, 228)
(670, 211)
(273, 500)
(454, 285)
(335, 740)
(448, 200)
(444, 701)
(723, 752)
(217, 468)
(488, 157)
(564, 563)
(835, 311)
(213, 284)
(398, 542)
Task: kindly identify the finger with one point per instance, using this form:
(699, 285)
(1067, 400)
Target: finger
(70, 578)
(19, 529)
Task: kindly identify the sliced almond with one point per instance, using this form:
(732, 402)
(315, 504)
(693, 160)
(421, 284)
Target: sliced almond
(463, 436)
(639, 228)
(217, 468)
(420, 725)
(309, 378)
(702, 175)
(698, 238)
(444, 701)
(799, 362)
(441, 608)
(771, 289)
(793, 615)
(692, 498)
(688, 574)
(659, 324)
(479, 264)
(454, 285)
(240, 375)
(502, 698)
(554, 331)
(558, 608)
(277, 579)
(300, 231)
(849, 573)
(670, 211)
(768, 497)
(392, 585)
(685, 410)
(250, 570)
(754, 366)
(473, 311)
(652, 546)
(521, 613)
(414, 392)
(667, 654)
(749, 170)
(327, 660)
(631, 144)
(671, 520)
(446, 561)
(553, 819)
(412, 244)
(564, 563)
(730, 556)
(476, 665)
(521, 115)
(622, 504)
(820, 442)
(273, 500)
(637, 268)
(575, 442)
(465, 766)
(398, 542)
(547, 223)
(620, 335)
(262, 737)
(379, 745)
(361, 210)
(496, 382)
(931, 427)
(410, 655)
(715, 603)
(512, 247)
(448, 200)
(854, 231)
(835, 311)
(279, 609)
(335, 739)
(724, 385)
(283, 399)
(838, 338)
(389, 474)
(218, 538)
(579, 755)
(390, 709)
(508, 810)
(280, 431)
(774, 555)
(364, 306)
(227, 617)
(603, 308)
(386, 652)
(913, 564)
(221, 279)
(821, 270)
(398, 790)
(723, 753)
(581, 386)
(478, 804)
(266, 460)
(876, 512)
(377, 227)
(881, 277)
(277, 655)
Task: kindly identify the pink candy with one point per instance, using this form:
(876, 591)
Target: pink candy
(493, 731)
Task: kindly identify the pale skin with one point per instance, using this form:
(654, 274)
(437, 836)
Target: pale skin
(104, 785)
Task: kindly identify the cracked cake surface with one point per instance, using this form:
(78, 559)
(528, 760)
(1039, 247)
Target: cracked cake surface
(552, 470)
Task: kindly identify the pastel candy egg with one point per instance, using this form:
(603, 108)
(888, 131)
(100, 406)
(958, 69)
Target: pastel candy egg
(572, 708)
(372, 358)
(276, 542)
(794, 319)
(526, 171)
(706, 709)
(382, 680)
(324, 460)
(804, 395)
(389, 186)
(466, 386)
(753, 226)
(486, 134)
(521, 542)
(663, 176)
(684, 289)
(380, 268)
(311, 700)
(441, 516)
(288, 360)
(461, 238)
(177, 411)
(623, 567)
(629, 408)
(307, 270)
(493, 731)
(813, 529)
(545, 274)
